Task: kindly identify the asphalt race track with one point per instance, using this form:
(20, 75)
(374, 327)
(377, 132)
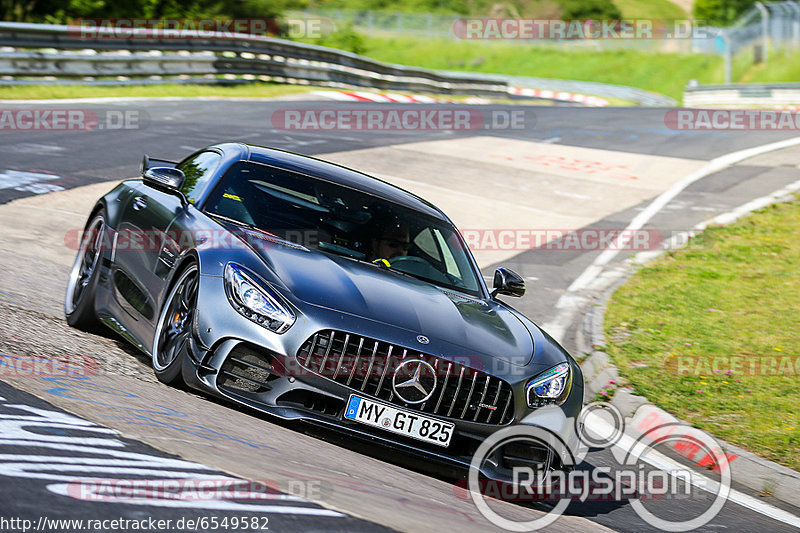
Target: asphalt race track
(61, 437)
(563, 168)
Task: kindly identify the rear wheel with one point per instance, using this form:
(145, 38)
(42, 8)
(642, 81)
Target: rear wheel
(175, 326)
(82, 283)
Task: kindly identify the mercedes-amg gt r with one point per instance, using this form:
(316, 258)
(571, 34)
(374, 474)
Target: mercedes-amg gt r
(310, 291)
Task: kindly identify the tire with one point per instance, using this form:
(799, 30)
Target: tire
(175, 326)
(79, 308)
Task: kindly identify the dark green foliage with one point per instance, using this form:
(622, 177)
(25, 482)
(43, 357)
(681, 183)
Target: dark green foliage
(60, 11)
(720, 12)
(590, 9)
(345, 38)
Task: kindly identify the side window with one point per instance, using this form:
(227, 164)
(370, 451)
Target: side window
(198, 170)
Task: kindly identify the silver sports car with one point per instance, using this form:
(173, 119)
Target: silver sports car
(310, 291)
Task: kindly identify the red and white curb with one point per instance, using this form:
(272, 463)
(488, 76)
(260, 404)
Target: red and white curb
(365, 96)
(368, 96)
(592, 101)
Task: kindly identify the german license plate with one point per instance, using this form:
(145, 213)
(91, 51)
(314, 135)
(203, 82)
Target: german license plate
(399, 421)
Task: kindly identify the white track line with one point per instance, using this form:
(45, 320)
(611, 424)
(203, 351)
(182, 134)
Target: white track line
(666, 464)
(723, 219)
(570, 303)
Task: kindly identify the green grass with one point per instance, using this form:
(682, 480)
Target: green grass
(491, 8)
(653, 9)
(734, 291)
(663, 73)
(259, 90)
(781, 67)
(250, 90)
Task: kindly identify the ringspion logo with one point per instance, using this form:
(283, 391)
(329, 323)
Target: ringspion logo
(632, 479)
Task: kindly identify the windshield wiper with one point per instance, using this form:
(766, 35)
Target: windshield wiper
(263, 234)
(384, 264)
(341, 250)
(237, 222)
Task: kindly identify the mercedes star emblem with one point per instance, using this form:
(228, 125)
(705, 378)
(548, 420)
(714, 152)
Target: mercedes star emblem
(414, 381)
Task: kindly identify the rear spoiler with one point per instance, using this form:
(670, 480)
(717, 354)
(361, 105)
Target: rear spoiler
(147, 163)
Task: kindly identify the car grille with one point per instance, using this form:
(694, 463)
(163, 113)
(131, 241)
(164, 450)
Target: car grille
(367, 365)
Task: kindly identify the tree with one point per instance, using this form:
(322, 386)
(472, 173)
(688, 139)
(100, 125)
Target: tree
(61, 11)
(720, 12)
(590, 9)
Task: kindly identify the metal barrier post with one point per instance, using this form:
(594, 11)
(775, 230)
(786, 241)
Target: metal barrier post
(726, 39)
(795, 22)
(764, 28)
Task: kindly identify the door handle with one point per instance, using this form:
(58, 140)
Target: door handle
(139, 203)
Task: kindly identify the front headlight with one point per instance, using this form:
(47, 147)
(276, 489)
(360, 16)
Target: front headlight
(551, 387)
(255, 301)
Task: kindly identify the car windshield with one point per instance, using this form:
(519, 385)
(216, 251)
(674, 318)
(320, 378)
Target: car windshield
(339, 220)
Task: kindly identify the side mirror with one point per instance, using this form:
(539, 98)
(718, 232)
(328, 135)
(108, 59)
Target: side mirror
(508, 282)
(163, 178)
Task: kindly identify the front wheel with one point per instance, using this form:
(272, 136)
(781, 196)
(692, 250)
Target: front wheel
(175, 326)
(82, 283)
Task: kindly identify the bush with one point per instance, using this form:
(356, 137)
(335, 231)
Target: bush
(590, 9)
(720, 12)
(345, 38)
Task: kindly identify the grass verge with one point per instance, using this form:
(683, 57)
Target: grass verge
(652, 9)
(249, 90)
(663, 73)
(782, 66)
(733, 295)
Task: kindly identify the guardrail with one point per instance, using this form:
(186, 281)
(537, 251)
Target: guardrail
(743, 95)
(43, 54)
(605, 90)
(36, 51)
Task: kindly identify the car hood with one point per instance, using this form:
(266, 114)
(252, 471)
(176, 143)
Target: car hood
(471, 326)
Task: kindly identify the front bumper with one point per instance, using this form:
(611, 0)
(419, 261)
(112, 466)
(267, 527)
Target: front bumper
(256, 368)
